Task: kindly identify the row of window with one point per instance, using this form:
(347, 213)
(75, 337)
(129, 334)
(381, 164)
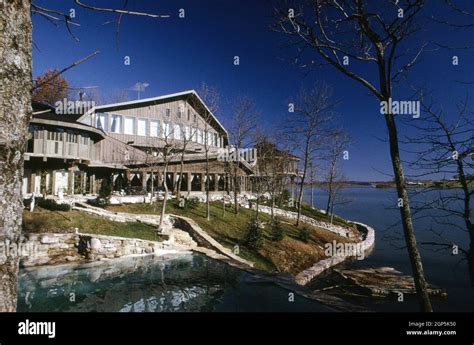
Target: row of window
(155, 128)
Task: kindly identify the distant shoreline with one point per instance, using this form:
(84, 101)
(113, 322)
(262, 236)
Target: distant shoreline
(389, 185)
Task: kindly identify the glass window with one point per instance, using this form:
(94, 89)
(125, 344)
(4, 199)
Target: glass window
(167, 112)
(199, 136)
(180, 111)
(154, 128)
(189, 114)
(187, 132)
(177, 131)
(129, 125)
(142, 127)
(102, 121)
(167, 130)
(116, 124)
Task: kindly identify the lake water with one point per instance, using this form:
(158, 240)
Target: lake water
(377, 208)
(193, 282)
(171, 283)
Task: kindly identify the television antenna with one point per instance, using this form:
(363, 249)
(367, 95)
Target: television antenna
(139, 87)
(81, 90)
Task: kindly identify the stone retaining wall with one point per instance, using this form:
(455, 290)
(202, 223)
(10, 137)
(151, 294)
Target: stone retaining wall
(171, 224)
(52, 248)
(341, 231)
(309, 274)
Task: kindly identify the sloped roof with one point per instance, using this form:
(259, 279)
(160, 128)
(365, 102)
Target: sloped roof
(153, 100)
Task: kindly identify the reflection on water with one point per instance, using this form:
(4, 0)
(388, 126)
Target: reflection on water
(184, 282)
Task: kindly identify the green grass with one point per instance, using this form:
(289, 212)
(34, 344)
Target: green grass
(289, 255)
(42, 220)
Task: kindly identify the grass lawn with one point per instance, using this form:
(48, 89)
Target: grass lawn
(43, 221)
(288, 255)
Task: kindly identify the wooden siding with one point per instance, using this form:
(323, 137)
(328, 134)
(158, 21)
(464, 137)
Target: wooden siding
(157, 112)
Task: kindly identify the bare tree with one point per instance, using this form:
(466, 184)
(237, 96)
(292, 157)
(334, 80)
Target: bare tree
(352, 32)
(311, 182)
(118, 96)
(336, 147)
(187, 135)
(307, 128)
(271, 163)
(167, 152)
(242, 127)
(446, 148)
(210, 96)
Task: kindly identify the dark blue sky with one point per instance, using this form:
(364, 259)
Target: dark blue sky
(176, 54)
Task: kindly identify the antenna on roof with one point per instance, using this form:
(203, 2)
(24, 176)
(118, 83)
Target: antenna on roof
(82, 89)
(139, 87)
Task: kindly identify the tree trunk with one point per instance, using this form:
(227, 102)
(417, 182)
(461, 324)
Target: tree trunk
(470, 256)
(165, 199)
(467, 216)
(329, 199)
(236, 205)
(181, 168)
(410, 239)
(300, 197)
(15, 113)
(223, 206)
(152, 186)
(273, 208)
(257, 203)
(208, 202)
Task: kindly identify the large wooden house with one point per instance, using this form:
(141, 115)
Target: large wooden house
(130, 143)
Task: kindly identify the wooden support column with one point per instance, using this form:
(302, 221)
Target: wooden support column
(174, 177)
(143, 175)
(32, 182)
(128, 180)
(216, 182)
(189, 181)
(53, 182)
(203, 183)
(70, 181)
(92, 184)
(84, 183)
(160, 179)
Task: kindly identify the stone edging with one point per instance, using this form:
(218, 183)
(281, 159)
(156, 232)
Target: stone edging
(59, 248)
(184, 223)
(309, 274)
(204, 239)
(339, 230)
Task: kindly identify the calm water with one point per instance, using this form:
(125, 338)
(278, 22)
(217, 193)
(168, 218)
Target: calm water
(189, 282)
(375, 207)
(195, 283)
